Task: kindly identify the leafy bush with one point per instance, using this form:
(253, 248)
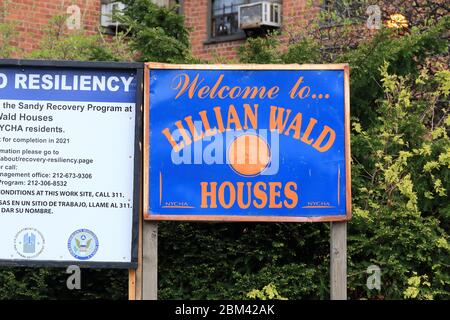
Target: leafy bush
(260, 50)
(305, 50)
(227, 261)
(60, 44)
(401, 178)
(7, 49)
(157, 33)
(405, 55)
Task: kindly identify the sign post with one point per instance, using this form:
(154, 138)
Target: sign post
(150, 261)
(338, 261)
(258, 143)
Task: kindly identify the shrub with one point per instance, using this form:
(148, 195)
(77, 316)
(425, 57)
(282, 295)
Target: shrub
(7, 49)
(157, 33)
(60, 44)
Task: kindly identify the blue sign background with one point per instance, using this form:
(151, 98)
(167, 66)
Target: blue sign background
(10, 92)
(319, 175)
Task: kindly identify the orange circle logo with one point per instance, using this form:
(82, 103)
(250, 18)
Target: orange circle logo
(249, 155)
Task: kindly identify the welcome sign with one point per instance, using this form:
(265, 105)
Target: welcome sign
(247, 142)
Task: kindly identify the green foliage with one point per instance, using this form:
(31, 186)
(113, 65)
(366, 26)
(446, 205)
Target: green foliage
(59, 44)
(399, 191)
(157, 33)
(303, 51)
(417, 284)
(229, 260)
(7, 49)
(260, 50)
(50, 283)
(404, 54)
(266, 50)
(292, 281)
(269, 292)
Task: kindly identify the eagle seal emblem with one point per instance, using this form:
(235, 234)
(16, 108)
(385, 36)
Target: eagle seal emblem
(83, 244)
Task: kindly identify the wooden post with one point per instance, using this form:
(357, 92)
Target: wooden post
(135, 276)
(338, 261)
(131, 284)
(138, 273)
(150, 260)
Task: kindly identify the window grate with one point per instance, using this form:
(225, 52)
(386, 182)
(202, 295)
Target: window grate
(338, 12)
(224, 17)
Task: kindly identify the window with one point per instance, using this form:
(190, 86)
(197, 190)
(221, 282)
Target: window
(224, 17)
(109, 10)
(223, 22)
(335, 12)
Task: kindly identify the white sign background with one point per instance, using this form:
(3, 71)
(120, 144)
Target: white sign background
(107, 138)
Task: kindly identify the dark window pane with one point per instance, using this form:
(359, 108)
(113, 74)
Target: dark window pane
(224, 17)
(337, 11)
(251, 15)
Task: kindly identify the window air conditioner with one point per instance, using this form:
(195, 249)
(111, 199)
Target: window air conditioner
(108, 10)
(259, 14)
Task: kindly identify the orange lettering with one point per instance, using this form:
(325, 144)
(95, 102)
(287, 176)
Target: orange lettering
(211, 194)
(203, 92)
(260, 195)
(273, 92)
(177, 147)
(250, 115)
(278, 121)
(219, 119)
(289, 192)
(216, 85)
(221, 93)
(233, 118)
(295, 125)
(325, 131)
(301, 93)
(274, 194)
(240, 196)
(193, 129)
(183, 132)
(205, 121)
(232, 192)
(183, 84)
(311, 124)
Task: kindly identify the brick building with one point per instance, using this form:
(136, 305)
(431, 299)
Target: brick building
(213, 23)
(204, 18)
(31, 17)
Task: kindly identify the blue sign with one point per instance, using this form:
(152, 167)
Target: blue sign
(56, 84)
(267, 143)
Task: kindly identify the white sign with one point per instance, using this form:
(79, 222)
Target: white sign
(67, 164)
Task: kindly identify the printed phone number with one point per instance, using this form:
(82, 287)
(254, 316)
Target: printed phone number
(70, 175)
(47, 183)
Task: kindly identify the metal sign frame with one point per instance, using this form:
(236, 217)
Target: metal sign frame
(119, 66)
(291, 67)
